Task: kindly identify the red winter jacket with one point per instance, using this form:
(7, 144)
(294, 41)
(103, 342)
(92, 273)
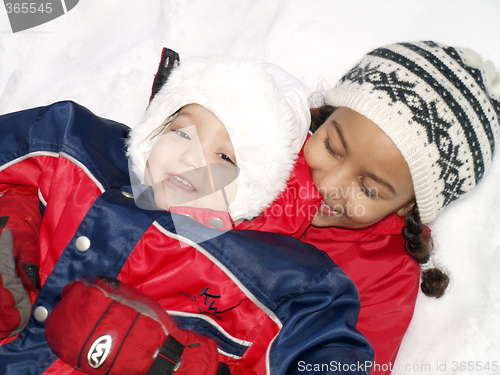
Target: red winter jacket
(375, 258)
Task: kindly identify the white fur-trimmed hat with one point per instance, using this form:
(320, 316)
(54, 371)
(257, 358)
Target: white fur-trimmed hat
(440, 106)
(264, 109)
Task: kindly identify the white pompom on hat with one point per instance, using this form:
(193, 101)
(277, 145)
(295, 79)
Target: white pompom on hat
(264, 109)
(440, 105)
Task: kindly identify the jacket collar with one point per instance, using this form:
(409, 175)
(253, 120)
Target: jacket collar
(211, 218)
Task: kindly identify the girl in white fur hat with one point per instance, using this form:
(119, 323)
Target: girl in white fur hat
(270, 113)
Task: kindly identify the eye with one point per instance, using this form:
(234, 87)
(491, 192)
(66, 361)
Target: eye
(225, 158)
(330, 149)
(182, 134)
(366, 191)
(369, 192)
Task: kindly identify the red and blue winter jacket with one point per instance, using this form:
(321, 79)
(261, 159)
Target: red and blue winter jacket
(274, 305)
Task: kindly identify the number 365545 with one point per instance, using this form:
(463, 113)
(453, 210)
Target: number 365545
(28, 8)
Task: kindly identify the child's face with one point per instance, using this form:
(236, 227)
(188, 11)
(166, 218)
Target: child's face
(359, 171)
(191, 161)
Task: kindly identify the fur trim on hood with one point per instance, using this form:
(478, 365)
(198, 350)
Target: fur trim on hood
(264, 109)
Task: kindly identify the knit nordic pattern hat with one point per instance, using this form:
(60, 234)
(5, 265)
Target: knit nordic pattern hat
(264, 109)
(440, 106)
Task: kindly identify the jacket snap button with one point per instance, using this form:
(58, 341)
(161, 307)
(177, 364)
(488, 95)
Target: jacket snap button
(216, 223)
(127, 194)
(41, 314)
(82, 243)
(189, 216)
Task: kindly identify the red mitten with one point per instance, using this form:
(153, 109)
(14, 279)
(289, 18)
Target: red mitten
(15, 305)
(112, 328)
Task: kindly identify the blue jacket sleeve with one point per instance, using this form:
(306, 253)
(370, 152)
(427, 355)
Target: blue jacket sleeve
(318, 334)
(66, 128)
(319, 310)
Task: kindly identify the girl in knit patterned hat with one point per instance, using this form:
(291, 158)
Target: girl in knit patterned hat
(411, 128)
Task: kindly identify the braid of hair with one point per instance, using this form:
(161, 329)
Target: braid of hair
(419, 245)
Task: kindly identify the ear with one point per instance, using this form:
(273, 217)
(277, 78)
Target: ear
(405, 209)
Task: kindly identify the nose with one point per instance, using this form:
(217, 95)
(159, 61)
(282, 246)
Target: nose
(193, 157)
(335, 185)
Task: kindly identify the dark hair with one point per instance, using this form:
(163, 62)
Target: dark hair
(160, 129)
(320, 115)
(418, 241)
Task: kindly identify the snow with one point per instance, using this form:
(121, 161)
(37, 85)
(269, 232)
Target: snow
(103, 54)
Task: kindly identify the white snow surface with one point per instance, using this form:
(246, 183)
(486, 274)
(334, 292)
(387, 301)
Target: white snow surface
(103, 54)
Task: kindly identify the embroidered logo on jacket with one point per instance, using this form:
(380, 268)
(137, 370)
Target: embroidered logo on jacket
(99, 351)
(210, 301)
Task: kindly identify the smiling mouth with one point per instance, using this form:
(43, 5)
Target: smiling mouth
(180, 184)
(184, 182)
(327, 210)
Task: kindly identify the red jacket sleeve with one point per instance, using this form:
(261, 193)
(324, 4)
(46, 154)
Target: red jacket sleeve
(19, 214)
(386, 311)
